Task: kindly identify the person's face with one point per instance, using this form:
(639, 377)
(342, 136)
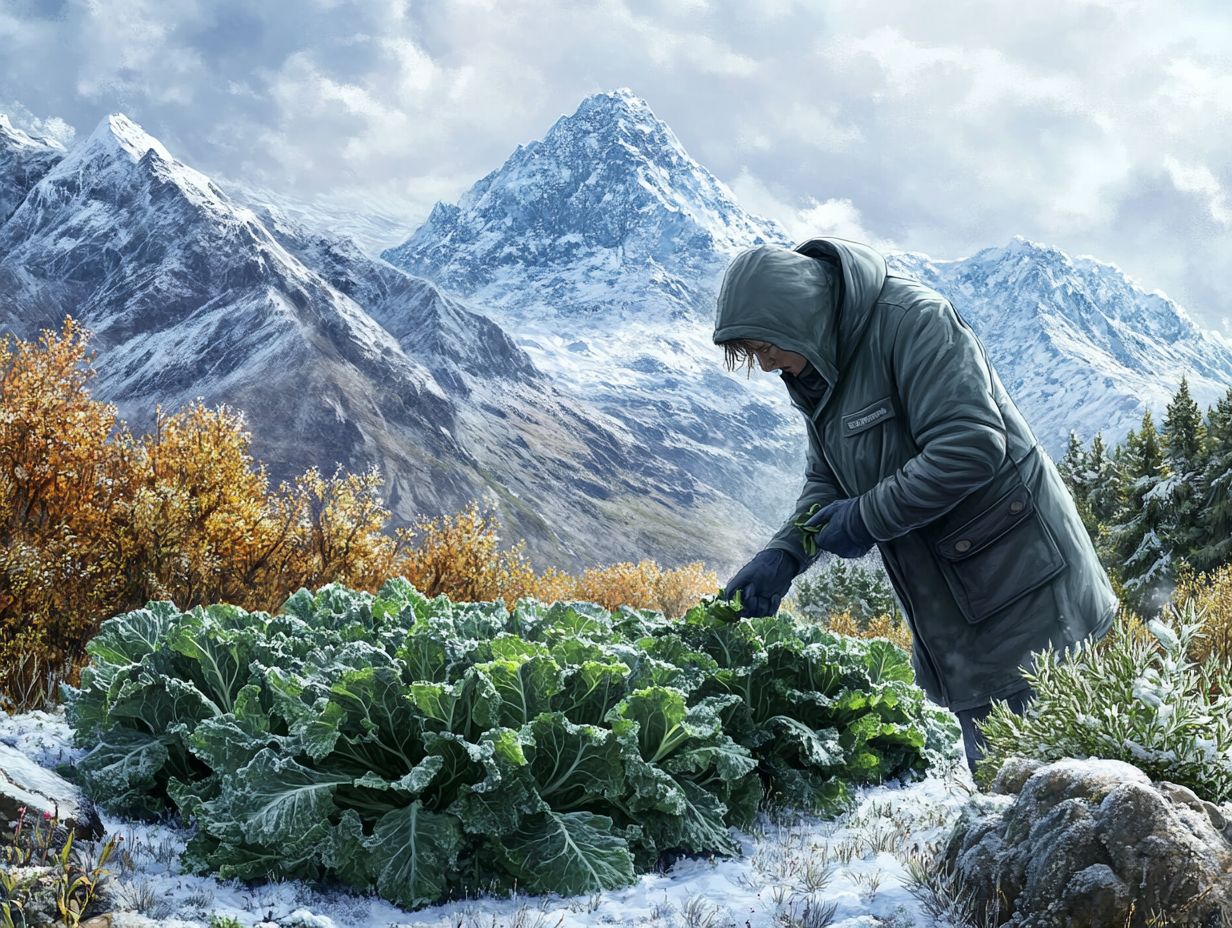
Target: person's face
(771, 357)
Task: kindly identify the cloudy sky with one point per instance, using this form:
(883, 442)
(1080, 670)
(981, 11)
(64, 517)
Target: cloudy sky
(1103, 127)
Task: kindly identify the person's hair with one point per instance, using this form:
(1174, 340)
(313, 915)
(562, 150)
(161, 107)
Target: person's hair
(737, 353)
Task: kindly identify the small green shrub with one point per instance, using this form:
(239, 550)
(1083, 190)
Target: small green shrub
(1133, 698)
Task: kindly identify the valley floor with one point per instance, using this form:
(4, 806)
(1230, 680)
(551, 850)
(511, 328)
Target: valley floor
(792, 872)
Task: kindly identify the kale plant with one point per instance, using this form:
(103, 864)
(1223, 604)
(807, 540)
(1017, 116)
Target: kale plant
(431, 749)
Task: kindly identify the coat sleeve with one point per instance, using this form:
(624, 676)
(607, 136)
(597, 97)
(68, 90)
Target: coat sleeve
(820, 486)
(945, 391)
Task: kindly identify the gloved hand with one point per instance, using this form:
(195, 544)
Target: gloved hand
(846, 534)
(763, 582)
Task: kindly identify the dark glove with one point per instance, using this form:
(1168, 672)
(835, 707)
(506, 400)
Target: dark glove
(846, 534)
(763, 582)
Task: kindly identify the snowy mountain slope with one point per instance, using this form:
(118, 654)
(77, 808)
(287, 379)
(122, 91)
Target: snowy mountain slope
(600, 249)
(564, 462)
(23, 160)
(189, 294)
(1077, 344)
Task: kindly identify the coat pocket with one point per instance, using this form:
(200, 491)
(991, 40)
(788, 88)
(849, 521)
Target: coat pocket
(1004, 552)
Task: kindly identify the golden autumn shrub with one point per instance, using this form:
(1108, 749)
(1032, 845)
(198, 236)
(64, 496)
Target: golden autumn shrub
(459, 555)
(1211, 594)
(94, 522)
(645, 585)
(880, 626)
(199, 526)
(63, 479)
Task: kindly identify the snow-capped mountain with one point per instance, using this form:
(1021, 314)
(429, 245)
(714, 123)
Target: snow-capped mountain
(609, 195)
(1078, 345)
(565, 366)
(23, 160)
(333, 357)
(600, 249)
(560, 461)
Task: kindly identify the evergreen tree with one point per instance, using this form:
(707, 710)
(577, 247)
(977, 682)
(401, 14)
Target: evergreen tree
(1185, 490)
(1139, 554)
(1074, 472)
(1073, 466)
(1101, 479)
(1115, 499)
(1215, 547)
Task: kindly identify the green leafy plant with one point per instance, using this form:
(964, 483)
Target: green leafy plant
(808, 533)
(726, 610)
(430, 749)
(1133, 698)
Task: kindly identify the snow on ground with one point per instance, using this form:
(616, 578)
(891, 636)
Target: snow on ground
(793, 871)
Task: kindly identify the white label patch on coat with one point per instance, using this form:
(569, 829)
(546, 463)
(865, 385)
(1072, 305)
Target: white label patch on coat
(867, 417)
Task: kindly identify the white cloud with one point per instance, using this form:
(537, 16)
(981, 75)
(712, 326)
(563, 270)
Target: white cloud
(836, 216)
(1100, 127)
(48, 127)
(1198, 179)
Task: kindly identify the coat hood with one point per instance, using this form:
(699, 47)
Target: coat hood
(814, 299)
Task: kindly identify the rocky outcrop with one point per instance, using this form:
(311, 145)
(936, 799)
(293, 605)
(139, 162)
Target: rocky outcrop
(24, 784)
(1092, 843)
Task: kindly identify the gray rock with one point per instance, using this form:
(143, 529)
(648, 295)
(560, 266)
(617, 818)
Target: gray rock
(1178, 793)
(25, 783)
(1218, 821)
(1013, 773)
(1094, 844)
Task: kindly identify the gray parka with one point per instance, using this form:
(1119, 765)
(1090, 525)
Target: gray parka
(985, 550)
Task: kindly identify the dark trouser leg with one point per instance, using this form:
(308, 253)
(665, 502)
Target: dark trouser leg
(973, 741)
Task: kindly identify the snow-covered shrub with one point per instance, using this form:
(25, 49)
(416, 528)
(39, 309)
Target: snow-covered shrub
(1130, 698)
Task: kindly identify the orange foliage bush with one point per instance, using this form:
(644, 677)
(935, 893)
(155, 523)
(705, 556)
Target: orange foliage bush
(645, 585)
(63, 482)
(459, 556)
(1211, 594)
(94, 522)
(880, 626)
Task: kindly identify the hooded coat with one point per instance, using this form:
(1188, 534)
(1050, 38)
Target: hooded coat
(985, 550)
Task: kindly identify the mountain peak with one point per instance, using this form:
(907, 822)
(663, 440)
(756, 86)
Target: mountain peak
(614, 101)
(607, 192)
(609, 121)
(117, 150)
(117, 133)
(24, 159)
(1020, 246)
